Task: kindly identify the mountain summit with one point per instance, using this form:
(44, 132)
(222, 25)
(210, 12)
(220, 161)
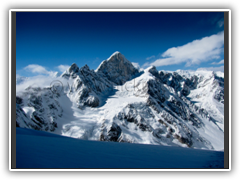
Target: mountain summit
(117, 69)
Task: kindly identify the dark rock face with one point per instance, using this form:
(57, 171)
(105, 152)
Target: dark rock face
(129, 114)
(157, 91)
(46, 109)
(192, 82)
(114, 132)
(218, 84)
(92, 101)
(184, 140)
(21, 118)
(219, 95)
(144, 127)
(117, 69)
(19, 100)
(154, 72)
(87, 85)
(71, 72)
(185, 90)
(111, 133)
(158, 133)
(171, 79)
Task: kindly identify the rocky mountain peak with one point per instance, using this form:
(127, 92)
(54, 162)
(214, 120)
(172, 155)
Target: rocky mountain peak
(153, 70)
(73, 68)
(85, 68)
(72, 72)
(117, 69)
(117, 56)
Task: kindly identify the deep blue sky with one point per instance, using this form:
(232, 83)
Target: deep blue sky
(50, 39)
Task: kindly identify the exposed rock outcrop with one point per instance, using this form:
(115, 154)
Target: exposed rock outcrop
(117, 69)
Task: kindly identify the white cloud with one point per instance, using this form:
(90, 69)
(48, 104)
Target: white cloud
(220, 62)
(164, 62)
(38, 69)
(39, 81)
(63, 68)
(35, 68)
(221, 68)
(194, 52)
(147, 64)
(151, 57)
(42, 77)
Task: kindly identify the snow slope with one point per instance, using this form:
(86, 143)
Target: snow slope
(38, 149)
(209, 92)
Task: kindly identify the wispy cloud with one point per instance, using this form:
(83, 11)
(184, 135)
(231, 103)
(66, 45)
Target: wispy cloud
(41, 77)
(63, 68)
(39, 81)
(220, 62)
(221, 68)
(147, 64)
(35, 68)
(220, 23)
(194, 52)
(38, 69)
(151, 57)
(217, 20)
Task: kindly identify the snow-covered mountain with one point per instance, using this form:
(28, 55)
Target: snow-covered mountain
(117, 102)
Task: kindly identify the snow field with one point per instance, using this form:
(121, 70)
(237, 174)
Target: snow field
(37, 149)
